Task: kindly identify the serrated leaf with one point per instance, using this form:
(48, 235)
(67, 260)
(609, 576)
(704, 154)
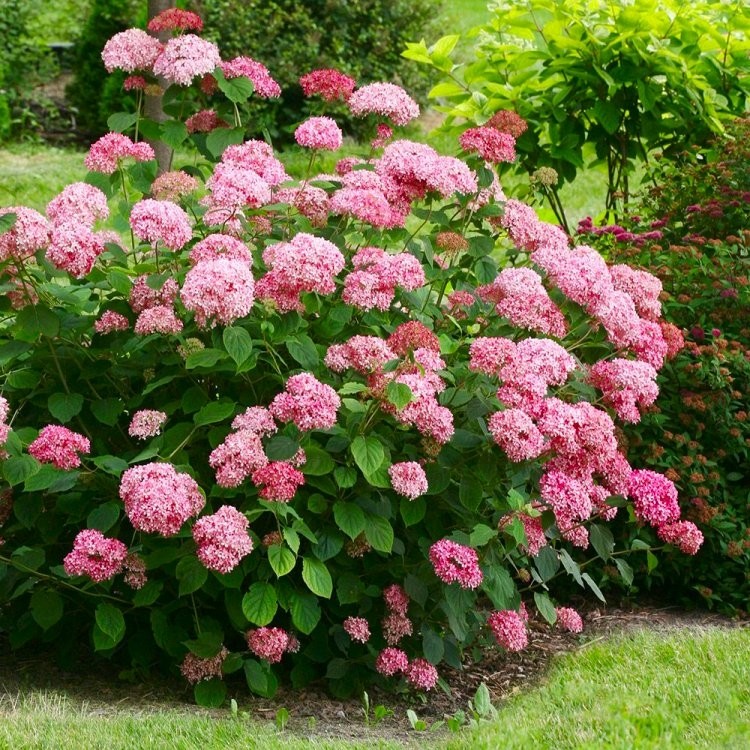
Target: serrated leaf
(191, 574)
(17, 469)
(46, 608)
(111, 464)
(368, 454)
(281, 558)
(207, 645)
(305, 612)
(350, 518)
(545, 606)
(379, 533)
(433, 646)
(36, 320)
(318, 462)
(64, 406)
(281, 448)
(238, 343)
(237, 90)
(260, 678)
(345, 477)
(119, 122)
(218, 140)
(216, 411)
(470, 492)
(260, 603)
(173, 133)
(412, 511)
(110, 621)
(148, 594)
(317, 577)
(107, 410)
(399, 394)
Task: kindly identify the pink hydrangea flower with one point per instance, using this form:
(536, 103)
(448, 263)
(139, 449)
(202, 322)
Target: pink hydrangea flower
(643, 287)
(455, 562)
(515, 432)
(222, 539)
(391, 661)
(509, 629)
(568, 619)
(278, 481)
(357, 628)
(396, 599)
(219, 290)
(491, 354)
(532, 526)
(157, 319)
(489, 143)
(131, 50)
(685, 535)
(234, 186)
(654, 497)
(4, 426)
(59, 446)
(369, 205)
(396, 626)
(217, 246)
(255, 418)
(384, 99)
(309, 200)
(268, 643)
(135, 571)
(319, 132)
(421, 674)
(74, 248)
(29, 233)
(328, 83)
(626, 385)
(79, 202)
(194, 669)
(265, 86)
(111, 321)
(572, 501)
(146, 423)
(158, 498)
(258, 157)
(95, 556)
(106, 154)
(307, 402)
(161, 221)
(408, 479)
(142, 296)
(171, 186)
(237, 457)
(204, 122)
(186, 57)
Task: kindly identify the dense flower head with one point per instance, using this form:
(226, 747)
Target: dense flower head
(421, 674)
(307, 402)
(456, 562)
(268, 643)
(135, 83)
(490, 354)
(142, 296)
(131, 50)
(425, 413)
(396, 626)
(158, 498)
(175, 19)
(4, 427)
(507, 121)
(408, 479)
(171, 186)
(391, 661)
(396, 599)
(79, 202)
(648, 343)
(685, 535)
(29, 233)
(111, 321)
(515, 432)
(572, 499)
(384, 99)
(654, 497)
(106, 154)
(219, 290)
(627, 386)
(413, 335)
(195, 669)
(319, 132)
(222, 539)
(368, 204)
(489, 143)
(509, 629)
(95, 556)
(328, 83)
(278, 481)
(643, 287)
(233, 187)
(365, 354)
(568, 619)
(310, 201)
(535, 537)
(157, 319)
(237, 457)
(146, 423)
(74, 248)
(265, 86)
(255, 418)
(161, 221)
(204, 122)
(357, 628)
(258, 157)
(186, 57)
(217, 246)
(59, 446)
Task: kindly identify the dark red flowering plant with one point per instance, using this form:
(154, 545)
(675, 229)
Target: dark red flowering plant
(333, 427)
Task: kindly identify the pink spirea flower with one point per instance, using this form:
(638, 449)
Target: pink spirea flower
(142, 296)
(79, 202)
(161, 221)
(146, 423)
(509, 629)
(307, 402)
(319, 132)
(568, 619)
(74, 248)
(157, 319)
(222, 539)
(219, 290)
(357, 628)
(237, 457)
(278, 481)
(158, 498)
(233, 187)
(456, 562)
(29, 233)
(106, 154)
(654, 497)
(131, 50)
(489, 143)
(95, 556)
(175, 19)
(515, 432)
(391, 661)
(217, 246)
(626, 385)
(396, 599)
(328, 83)
(384, 99)
(186, 57)
(685, 535)
(265, 86)
(421, 674)
(195, 669)
(268, 643)
(171, 186)
(204, 122)
(408, 479)
(111, 321)
(59, 446)
(396, 626)
(673, 339)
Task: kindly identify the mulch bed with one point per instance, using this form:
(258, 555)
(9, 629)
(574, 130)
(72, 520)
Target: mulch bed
(313, 713)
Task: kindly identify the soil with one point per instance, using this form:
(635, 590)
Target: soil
(313, 713)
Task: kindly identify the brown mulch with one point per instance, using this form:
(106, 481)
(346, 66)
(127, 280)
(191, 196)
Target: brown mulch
(313, 713)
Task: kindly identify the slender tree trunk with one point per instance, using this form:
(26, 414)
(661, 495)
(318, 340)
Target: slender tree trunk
(153, 107)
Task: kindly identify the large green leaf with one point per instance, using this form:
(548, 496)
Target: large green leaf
(260, 603)
(46, 608)
(64, 406)
(316, 576)
(350, 518)
(368, 453)
(191, 574)
(281, 558)
(238, 343)
(110, 621)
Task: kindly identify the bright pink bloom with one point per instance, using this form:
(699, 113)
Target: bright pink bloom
(319, 132)
(396, 599)
(4, 426)
(106, 154)
(146, 423)
(568, 619)
(218, 291)
(217, 246)
(111, 321)
(365, 354)
(278, 481)
(194, 669)
(234, 187)
(237, 457)
(131, 50)
(455, 562)
(59, 446)
(357, 628)
(310, 201)
(572, 501)
(327, 83)
(385, 133)
(222, 539)
(391, 661)
(489, 143)
(627, 386)
(161, 221)
(204, 122)
(268, 643)
(265, 86)
(408, 479)
(385, 99)
(175, 19)
(421, 674)
(413, 335)
(79, 202)
(158, 498)
(396, 626)
(257, 419)
(643, 287)
(649, 345)
(491, 354)
(74, 248)
(258, 157)
(157, 319)
(654, 497)
(307, 402)
(95, 556)
(683, 534)
(171, 186)
(186, 57)
(29, 233)
(142, 296)
(535, 538)
(509, 629)
(369, 205)
(515, 432)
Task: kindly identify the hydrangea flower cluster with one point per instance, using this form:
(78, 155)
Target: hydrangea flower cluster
(357, 628)
(106, 154)
(408, 479)
(195, 669)
(568, 619)
(319, 132)
(161, 221)
(29, 233)
(222, 539)
(220, 290)
(59, 446)
(457, 563)
(146, 423)
(95, 556)
(265, 86)
(268, 643)
(307, 402)
(328, 83)
(384, 99)
(509, 629)
(396, 624)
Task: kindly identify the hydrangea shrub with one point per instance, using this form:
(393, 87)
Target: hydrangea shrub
(345, 426)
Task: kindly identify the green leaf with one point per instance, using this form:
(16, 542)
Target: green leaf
(281, 558)
(207, 645)
(368, 454)
(481, 534)
(11, 350)
(238, 343)
(349, 589)
(597, 591)
(379, 533)
(302, 349)
(545, 606)
(399, 394)
(147, 595)
(218, 140)
(607, 114)
(433, 646)
(36, 320)
(111, 464)
(547, 562)
(47, 477)
(191, 574)
(204, 358)
(46, 608)
(216, 411)
(119, 122)
(316, 576)
(260, 679)
(18, 469)
(107, 410)
(237, 90)
(103, 517)
(319, 462)
(350, 518)
(210, 693)
(260, 603)
(110, 621)
(7, 221)
(626, 572)
(470, 492)
(64, 406)
(345, 476)
(571, 566)
(173, 133)
(281, 448)
(499, 587)
(413, 511)
(305, 612)
(602, 540)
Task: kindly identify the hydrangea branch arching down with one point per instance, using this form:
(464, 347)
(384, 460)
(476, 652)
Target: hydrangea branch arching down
(344, 425)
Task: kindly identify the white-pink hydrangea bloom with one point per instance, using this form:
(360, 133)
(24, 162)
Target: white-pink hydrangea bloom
(74, 248)
(421, 674)
(357, 628)
(265, 86)
(391, 661)
(685, 535)
(643, 287)
(319, 132)
(219, 290)
(222, 539)
(131, 50)
(157, 319)
(568, 619)
(106, 154)
(233, 186)
(186, 57)
(307, 402)
(146, 423)
(217, 246)
(384, 99)
(268, 643)
(79, 202)
(408, 479)
(515, 432)
(237, 457)
(111, 321)
(29, 233)
(278, 481)
(161, 221)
